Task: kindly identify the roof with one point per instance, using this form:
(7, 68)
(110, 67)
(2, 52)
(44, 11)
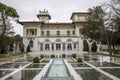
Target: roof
(22, 22)
(44, 15)
(80, 13)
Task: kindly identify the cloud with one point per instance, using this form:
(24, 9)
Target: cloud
(60, 10)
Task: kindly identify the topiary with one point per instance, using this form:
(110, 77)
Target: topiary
(79, 60)
(63, 55)
(41, 56)
(74, 55)
(94, 47)
(35, 60)
(28, 48)
(52, 56)
(85, 46)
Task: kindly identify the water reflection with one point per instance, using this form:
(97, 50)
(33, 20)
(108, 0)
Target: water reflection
(91, 74)
(24, 75)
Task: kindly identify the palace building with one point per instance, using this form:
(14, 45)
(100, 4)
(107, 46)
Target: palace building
(54, 37)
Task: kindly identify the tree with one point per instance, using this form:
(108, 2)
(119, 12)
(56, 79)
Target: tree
(19, 42)
(115, 5)
(6, 13)
(94, 47)
(85, 46)
(99, 26)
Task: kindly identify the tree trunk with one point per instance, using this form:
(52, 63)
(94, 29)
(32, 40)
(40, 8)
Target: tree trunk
(2, 47)
(114, 51)
(109, 45)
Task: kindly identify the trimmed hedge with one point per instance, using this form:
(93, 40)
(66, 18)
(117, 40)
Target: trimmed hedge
(52, 56)
(74, 55)
(63, 55)
(41, 56)
(94, 47)
(35, 60)
(85, 45)
(79, 60)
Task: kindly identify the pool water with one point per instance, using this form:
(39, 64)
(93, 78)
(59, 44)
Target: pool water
(113, 71)
(24, 75)
(12, 65)
(57, 71)
(4, 72)
(91, 74)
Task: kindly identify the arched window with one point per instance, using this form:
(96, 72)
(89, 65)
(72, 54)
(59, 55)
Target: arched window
(58, 33)
(47, 47)
(42, 32)
(58, 46)
(68, 33)
(69, 46)
(73, 32)
(48, 33)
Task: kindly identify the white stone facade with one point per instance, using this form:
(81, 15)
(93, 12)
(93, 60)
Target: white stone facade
(47, 37)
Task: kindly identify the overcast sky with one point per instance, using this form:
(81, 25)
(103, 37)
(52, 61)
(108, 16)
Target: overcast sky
(60, 10)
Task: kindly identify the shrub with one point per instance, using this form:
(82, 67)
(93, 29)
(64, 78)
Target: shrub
(28, 48)
(74, 55)
(41, 56)
(52, 56)
(85, 46)
(79, 60)
(63, 55)
(35, 60)
(94, 47)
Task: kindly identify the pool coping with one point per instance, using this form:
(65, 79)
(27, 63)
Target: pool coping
(73, 73)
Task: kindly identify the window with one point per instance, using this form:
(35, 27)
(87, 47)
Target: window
(41, 47)
(42, 32)
(69, 46)
(33, 32)
(58, 33)
(52, 46)
(73, 32)
(63, 46)
(47, 47)
(58, 46)
(48, 33)
(68, 33)
(74, 45)
(27, 32)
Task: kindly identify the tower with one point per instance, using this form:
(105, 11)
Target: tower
(44, 16)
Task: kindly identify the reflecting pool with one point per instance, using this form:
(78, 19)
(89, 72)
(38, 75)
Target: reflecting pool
(24, 75)
(57, 71)
(113, 71)
(4, 72)
(91, 74)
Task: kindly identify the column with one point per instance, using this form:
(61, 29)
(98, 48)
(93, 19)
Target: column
(39, 47)
(50, 46)
(61, 46)
(72, 46)
(66, 46)
(54, 46)
(43, 46)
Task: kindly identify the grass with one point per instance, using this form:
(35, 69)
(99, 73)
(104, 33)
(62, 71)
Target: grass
(10, 55)
(114, 55)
